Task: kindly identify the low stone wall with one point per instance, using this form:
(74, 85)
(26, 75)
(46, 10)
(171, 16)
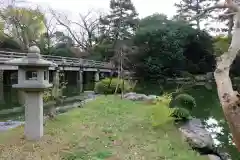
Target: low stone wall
(89, 96)
(15, 110)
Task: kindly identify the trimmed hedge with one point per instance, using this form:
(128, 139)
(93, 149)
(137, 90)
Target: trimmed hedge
(181, 114)
(183, 101)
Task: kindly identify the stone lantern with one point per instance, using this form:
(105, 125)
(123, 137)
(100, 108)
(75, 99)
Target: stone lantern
(33, 79)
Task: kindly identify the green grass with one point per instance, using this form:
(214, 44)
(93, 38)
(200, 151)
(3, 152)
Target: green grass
(105, 129)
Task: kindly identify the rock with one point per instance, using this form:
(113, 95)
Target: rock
(152, 97)
(224, 156)
(208, 86)
(213, 157)
(209, 76)
(142, 97)
(197, 136)
(136, 97)
(129, 94)
(131, 97)
(9, 123)
(139, 97)
(89, 94)
(200, 78)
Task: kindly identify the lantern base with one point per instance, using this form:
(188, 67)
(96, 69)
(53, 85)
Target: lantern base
(34, 115)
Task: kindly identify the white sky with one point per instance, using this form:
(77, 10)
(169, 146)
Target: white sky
(144, 7)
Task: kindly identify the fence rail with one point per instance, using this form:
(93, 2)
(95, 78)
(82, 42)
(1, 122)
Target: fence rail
(65, 61)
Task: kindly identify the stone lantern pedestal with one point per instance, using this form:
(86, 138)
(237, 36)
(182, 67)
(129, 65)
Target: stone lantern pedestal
(33, 79)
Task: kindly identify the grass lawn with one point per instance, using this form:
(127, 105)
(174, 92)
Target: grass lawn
(105, 129)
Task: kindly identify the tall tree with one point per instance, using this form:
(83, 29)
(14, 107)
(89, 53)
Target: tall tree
(118, 26)
(189, 8)
(165, 49)
(23, 25)
(83, 31)
(122, 20)
(229, 98)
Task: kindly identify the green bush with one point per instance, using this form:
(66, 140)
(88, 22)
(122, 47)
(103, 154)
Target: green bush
(47, 96)
(165, 45)
(181, 114)
(108, 86)
(161, 113)
(183, 101)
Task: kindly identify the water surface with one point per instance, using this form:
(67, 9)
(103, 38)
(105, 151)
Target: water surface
(208, 110)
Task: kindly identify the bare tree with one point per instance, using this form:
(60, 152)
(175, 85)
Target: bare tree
(83, 31)
(229, 99)
(46, 40)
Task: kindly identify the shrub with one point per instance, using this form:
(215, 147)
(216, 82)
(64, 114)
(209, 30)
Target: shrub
(108, 86)
(181, 114)
(161, 113)
(164, 99)
(47, 96)
(183, 101)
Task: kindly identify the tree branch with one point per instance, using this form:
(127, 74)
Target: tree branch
(230, 5)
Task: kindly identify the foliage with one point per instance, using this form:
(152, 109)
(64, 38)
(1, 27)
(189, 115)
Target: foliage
(168, 47)
(118, 26)
(122, 20)
(24, 25)
(108, 86)
(57, 44)
(221, 44)
(181, 114)
(161, 113)
(9, 43)
(132, 83)
(186, 9)
(55, 93)
(183, 101)
(47, 96)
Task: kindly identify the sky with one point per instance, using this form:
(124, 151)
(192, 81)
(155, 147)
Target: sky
(72, 8)
(144, 7)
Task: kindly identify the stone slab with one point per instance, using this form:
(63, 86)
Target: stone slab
(5, 126)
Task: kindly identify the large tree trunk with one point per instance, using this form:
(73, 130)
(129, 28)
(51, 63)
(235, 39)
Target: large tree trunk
(230, 99)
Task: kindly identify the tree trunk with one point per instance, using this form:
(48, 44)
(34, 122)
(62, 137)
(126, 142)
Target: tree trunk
(230, 26)
(198, 12)
(230, 99)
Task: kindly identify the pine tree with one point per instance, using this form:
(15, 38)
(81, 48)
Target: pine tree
(117, 28)
(122, 21)
(186, 9)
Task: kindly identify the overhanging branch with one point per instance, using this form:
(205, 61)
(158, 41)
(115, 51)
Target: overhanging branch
(229, 4)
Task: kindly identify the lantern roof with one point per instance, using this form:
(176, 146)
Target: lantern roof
(33, 58)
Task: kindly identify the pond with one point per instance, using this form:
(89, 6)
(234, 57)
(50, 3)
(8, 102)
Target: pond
(208, 110)
(11, 95)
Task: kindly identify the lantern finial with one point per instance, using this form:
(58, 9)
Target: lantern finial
(34, 49)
